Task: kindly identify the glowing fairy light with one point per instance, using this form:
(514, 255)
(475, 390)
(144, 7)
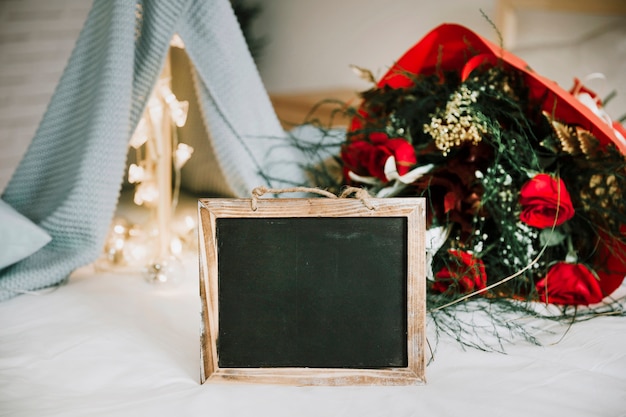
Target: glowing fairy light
(176, 246)
(182, 154)
(120, 229)
(190, 223)
(179, 110)
(136, 174)
(154, 247)
(141, 135)
(146, 193)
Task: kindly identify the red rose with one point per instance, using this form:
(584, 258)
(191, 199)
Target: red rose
(368, 158)
(464, 275)
(569, 284)
(611, 261)
(545, 202)
(356, 156)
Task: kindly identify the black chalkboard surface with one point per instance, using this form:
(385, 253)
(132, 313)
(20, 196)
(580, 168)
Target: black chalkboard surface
(316, 292)
(312, 291)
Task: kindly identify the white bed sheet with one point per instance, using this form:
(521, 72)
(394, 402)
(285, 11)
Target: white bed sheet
(110, 344)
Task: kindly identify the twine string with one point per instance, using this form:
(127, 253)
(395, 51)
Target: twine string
(359, 193)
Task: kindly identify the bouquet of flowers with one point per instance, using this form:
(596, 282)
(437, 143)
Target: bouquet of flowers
(524, 181)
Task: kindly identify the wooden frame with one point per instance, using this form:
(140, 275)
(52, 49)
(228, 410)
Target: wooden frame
(413, 209)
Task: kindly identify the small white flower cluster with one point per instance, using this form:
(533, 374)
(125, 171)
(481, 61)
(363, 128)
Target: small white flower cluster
(524, 236)
(457, 123)
(527, 236)
(396, 127)
(507, 196)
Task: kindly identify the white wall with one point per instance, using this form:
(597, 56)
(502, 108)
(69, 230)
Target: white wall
(562, 46)
(312, 43)
(36, 39)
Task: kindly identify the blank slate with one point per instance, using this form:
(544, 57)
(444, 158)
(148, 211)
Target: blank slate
(313, 291)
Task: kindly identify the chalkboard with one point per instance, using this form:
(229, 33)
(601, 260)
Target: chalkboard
(312, 291)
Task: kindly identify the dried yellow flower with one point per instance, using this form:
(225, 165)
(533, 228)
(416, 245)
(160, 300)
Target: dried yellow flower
(458, 123)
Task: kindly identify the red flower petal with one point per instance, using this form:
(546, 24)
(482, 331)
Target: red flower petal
(545, 202)
(465, 274)
(404, 153)
(569, 284)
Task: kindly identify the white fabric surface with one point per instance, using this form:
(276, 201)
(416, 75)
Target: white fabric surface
(110, 344)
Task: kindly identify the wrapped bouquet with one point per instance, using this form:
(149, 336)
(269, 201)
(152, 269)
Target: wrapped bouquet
(524, 180)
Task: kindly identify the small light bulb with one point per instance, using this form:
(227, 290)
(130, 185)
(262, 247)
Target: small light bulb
(180, 110)
(146, 193)
(182, 155)
(136, 174)
(141, 134)
(190, 223)
(176, 246)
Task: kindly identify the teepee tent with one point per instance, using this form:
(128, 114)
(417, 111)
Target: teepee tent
(69, 180)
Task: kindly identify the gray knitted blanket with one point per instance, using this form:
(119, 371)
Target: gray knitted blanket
(69, 181)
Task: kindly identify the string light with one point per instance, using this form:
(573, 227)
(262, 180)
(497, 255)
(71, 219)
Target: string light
(182, 155)
(136, 174)
(146, 193)
(154, 247)
(140, 137)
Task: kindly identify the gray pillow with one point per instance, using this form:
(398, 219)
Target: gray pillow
(19, 237)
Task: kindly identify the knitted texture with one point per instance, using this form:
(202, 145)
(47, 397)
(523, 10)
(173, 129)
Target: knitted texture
(70, 178)
(248, 141)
